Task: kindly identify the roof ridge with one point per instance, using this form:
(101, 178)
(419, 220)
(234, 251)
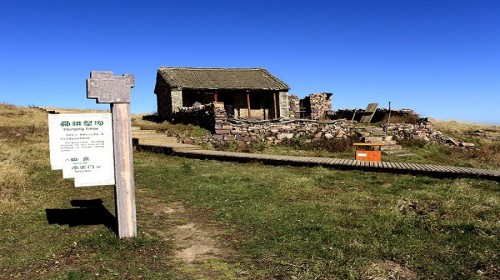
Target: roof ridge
(213, 68)
(278, 80)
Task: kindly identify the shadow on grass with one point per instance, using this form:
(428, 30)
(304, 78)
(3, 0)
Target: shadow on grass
(85, 212)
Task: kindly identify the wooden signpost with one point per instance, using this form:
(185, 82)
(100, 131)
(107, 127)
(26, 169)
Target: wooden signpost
(96, 149)
(115, 90)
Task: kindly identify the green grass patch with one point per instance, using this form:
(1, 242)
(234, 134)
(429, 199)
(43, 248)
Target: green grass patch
(316, 222)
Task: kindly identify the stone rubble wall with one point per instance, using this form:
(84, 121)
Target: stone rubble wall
(273, 132)
(276, 132)
(214, 118)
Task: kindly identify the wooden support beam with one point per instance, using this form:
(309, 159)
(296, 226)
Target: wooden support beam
(275, 106)
(216, 98)
(248, 105)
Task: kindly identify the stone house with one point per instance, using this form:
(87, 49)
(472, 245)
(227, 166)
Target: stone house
(249, 93)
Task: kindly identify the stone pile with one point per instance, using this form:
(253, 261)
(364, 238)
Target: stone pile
(423, 131)
(222, 125)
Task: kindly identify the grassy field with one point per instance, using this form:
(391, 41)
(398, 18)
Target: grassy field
(255, 221)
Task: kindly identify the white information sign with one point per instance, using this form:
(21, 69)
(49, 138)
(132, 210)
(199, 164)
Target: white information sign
(82, 146)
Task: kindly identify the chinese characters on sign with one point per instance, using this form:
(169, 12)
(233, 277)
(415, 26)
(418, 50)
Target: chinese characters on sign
(82, 146)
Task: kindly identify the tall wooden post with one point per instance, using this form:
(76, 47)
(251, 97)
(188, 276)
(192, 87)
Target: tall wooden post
(275, 106)
(115, 90)
(124, 171)
(248, 105)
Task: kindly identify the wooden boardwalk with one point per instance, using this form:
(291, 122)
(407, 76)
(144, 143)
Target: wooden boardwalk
(392, 167)
(192, 151)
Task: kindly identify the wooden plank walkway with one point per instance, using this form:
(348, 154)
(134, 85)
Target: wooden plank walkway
(392, 167)
(150, 140)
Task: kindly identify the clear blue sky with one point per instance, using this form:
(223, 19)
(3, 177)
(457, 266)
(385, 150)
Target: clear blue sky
(440, 58)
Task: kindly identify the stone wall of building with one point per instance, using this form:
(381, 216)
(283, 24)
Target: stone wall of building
(176, 95)
(284, 106)
(169, 102)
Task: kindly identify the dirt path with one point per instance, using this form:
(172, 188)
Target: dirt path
(197, 247)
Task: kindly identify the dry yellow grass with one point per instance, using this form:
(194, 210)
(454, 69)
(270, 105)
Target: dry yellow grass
(173, 130)
(23, 143)
(75, 110)
(138, 120)
(13, 116)
(457, 128)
